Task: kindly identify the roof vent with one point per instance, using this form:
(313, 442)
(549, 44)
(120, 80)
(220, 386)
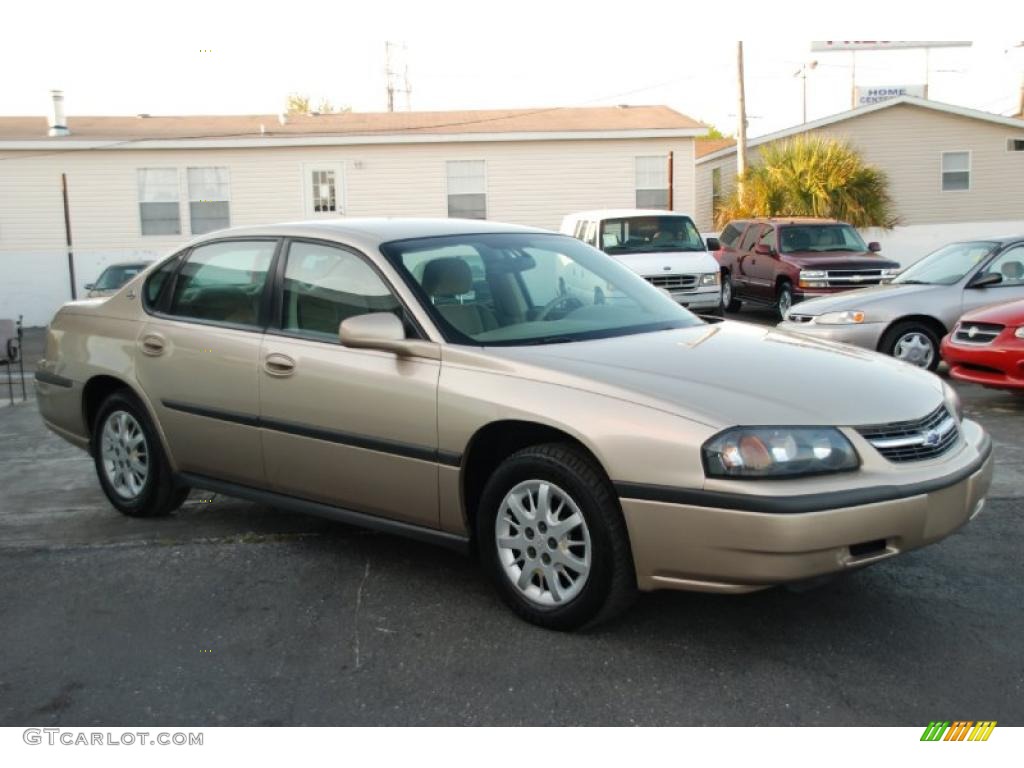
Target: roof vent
(142, 114)
(58, 124)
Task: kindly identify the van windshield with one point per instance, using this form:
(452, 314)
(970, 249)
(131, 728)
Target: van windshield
(649, 234)
(529, 288)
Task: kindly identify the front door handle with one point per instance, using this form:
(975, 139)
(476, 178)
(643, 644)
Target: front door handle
(153, 344)
(277, 364)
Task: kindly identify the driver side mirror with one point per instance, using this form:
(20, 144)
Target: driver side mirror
(874, 247)
(985, 279)
(90, 286)
(713, 244)
(763, 249)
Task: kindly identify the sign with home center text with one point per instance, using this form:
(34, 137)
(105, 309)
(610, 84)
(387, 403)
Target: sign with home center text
(873, 94)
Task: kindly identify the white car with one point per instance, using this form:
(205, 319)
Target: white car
(663, 247)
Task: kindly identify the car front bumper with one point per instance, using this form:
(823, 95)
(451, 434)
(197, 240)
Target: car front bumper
(700, 547)
(699, 300)
(866, 335)
(999, 364)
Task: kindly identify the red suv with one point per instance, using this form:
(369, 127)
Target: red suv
(778, 262)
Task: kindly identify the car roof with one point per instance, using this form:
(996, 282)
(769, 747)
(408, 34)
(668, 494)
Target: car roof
(622, 213)
(372, 231)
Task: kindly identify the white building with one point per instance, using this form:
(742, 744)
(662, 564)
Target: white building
(954, 173)
(142, 186)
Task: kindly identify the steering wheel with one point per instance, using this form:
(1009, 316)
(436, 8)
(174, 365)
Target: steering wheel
(571, 304)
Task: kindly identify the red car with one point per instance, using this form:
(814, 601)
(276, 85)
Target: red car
(987, 347)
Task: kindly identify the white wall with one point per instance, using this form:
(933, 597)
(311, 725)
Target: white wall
(528, 182)
(909, 244)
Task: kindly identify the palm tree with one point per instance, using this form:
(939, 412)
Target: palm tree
(812, 176)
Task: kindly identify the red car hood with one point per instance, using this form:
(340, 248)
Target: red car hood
(1011, 313)
(838, 260)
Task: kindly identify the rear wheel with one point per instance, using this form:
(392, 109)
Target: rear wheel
(130, 461)
(729, 300)
(912, 342)
(552, 537)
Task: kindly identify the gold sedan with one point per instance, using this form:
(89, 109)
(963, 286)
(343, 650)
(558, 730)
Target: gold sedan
(513, 392)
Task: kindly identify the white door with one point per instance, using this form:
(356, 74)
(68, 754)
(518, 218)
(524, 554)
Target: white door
(323, 190)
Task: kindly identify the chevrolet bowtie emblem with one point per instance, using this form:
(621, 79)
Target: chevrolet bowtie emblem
(973, 331)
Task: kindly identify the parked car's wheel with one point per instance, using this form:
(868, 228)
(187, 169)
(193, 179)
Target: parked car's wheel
(552, 536)
(729, 300)
(784, 299)
(912, 342)
(130, 460)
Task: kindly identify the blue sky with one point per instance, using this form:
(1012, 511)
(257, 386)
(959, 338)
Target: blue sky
(205, 57)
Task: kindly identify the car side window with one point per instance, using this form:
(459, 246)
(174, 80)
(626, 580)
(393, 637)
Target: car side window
(749, 237)
(156, 282)
(767, 237)
(223, 282)
(729, 235)
(1009, 264)
(324, 285)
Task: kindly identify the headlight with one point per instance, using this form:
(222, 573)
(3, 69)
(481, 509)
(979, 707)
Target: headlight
(889, 274)
(850, 317)
(767, 452)
(1019, 333)
(712, 278)
(813, 278)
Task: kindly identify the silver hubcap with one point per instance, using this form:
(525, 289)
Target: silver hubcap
(785, 303)
(726, 292)
(914, 348)
(543, 542)
(125, 454)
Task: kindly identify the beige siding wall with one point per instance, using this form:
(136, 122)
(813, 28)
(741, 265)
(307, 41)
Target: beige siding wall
(534, 183)
(907, 142)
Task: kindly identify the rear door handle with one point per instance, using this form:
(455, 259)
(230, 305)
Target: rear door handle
(153, 344)
(277, 364)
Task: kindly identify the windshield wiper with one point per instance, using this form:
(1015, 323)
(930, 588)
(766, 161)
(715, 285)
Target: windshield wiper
(911, 282)
(548, 340)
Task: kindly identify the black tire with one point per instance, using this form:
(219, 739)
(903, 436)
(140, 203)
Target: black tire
(159, 494)
(610, 585)
(783, 299)
(733, 304)
(899, 331)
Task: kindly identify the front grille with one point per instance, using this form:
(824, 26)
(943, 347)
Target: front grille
(673, 282)
(853, 278)
(915, 440)
(977, 333)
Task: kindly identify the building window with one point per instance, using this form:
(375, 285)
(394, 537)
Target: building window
(716, 191)
(209, 194)
(1015, 145)
(467, 189)
(652, 182)
(159, 211)
(956, 171)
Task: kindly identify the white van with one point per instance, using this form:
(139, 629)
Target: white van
(663, 247)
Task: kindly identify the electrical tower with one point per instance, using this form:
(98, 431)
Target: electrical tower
(396, 68)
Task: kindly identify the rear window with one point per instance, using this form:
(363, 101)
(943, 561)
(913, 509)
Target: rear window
(730, 234)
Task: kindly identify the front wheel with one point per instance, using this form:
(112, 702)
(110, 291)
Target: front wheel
(553, 539)
(130, 462)
(784, 300)
(912, 342)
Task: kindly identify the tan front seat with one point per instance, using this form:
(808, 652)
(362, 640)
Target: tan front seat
(443, 280)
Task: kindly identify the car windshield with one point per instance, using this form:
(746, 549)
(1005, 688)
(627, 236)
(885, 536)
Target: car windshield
(820, 238)
(650, 234)
(114, 277)
(525, 288)
(946, 266)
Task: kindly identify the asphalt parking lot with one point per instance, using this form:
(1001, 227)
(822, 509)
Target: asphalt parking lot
(233, 614)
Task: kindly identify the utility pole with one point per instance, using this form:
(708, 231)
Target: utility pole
(802, 74)
(396, 68)
(741, 129)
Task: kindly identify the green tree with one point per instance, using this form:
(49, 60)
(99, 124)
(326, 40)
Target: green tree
(714, 133)
(298, 104)
(812, 176)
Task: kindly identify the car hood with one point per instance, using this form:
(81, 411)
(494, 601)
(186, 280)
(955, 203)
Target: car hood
(839, 260)
(866, 298)
(668, 262)
(1009, 313)
(732, 373)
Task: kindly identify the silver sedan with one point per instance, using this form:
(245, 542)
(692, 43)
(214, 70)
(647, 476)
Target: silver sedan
(908, 318)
